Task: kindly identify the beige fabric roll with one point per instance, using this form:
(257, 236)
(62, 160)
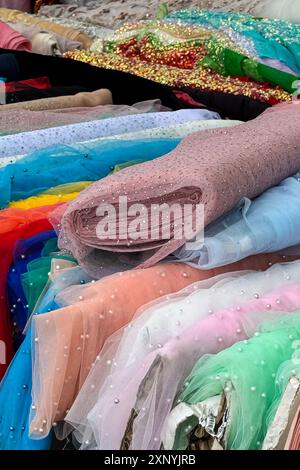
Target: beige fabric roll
(44, 43)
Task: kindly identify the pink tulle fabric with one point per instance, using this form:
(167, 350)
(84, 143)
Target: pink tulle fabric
(203, 169)
(70, 339)
(11, 39)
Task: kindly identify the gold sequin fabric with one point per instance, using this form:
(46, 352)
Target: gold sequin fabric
(199, 77)
(169, 53)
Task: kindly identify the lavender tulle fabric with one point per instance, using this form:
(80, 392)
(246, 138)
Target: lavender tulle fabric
(176, 130)
(16, 144)
(203, 169)
(102, 410)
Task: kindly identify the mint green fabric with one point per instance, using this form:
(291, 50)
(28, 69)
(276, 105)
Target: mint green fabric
(247, 371)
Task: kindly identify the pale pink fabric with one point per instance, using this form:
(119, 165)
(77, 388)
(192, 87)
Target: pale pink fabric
(11, 39)
(215, 168)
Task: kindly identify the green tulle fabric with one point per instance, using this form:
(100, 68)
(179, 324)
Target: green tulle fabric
(229, 62)
(249, 374)
(37, 275)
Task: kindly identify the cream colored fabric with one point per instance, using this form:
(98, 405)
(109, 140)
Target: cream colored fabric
(44, 43)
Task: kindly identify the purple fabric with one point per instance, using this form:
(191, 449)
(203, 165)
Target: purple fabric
(22, 5)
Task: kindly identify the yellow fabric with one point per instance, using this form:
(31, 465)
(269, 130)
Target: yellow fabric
(16, 16)
(121, 166)
(62, 193)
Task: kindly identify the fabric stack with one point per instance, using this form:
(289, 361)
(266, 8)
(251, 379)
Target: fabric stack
(150, 228)
(113, 13)
(20, 31)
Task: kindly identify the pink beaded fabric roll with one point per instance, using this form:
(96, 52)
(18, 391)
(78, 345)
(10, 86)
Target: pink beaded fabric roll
(214, 168)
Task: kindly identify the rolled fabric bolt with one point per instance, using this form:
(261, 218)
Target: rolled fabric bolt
(83, 99)
(202, 171)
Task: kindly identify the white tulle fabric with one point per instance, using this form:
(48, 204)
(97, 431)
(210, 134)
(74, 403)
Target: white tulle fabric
(176, 130)
(164, 131)
(103, 407)
(74, 133)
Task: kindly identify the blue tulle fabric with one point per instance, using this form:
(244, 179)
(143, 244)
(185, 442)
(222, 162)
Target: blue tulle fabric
(24, 252)
(269, 223)
(15, 388)
(272, 39)
(62, 164)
